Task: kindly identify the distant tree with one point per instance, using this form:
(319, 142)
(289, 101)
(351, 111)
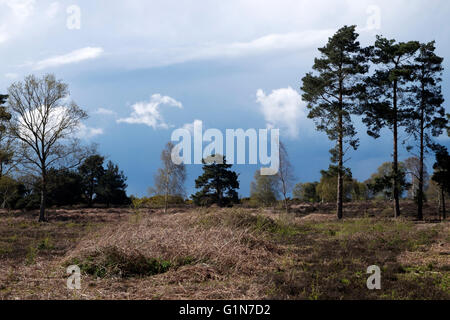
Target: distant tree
(285, 175)
(413, 168)
(8, 159)
(169, 180)
(442, 174)
(45, 126)
(10, 192)
(112, 186)
(428, 116)
(264, 189)
(360, 191)
(380, 183)
(306, 192)
(91, 171)
(331, 96)
(385, 96)
(218, 183)
(64, 187)
(326, 189)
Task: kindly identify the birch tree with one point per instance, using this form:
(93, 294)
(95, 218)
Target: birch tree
(45, 122)
(169, 180)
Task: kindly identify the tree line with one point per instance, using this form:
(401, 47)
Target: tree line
(42, 162)
(390, 85)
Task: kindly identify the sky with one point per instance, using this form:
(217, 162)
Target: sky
(141, 69)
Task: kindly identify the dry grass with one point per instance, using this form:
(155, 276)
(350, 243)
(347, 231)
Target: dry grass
(221, 254)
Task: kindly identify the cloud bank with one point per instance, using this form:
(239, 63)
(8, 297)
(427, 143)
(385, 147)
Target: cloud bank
(69, 58)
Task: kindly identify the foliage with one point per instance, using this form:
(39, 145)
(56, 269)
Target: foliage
(112, 186)
(381, 183)
(331, 95)
(306, 192)
(327, 187)
(265, 189)
(218, 183)
(91, 171)
(385, 96)
(44, 125)
(169, 181)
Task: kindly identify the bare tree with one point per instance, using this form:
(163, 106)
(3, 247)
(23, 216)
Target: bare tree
(45, 124)
(169, 180)
(285, 175)
(413, 167)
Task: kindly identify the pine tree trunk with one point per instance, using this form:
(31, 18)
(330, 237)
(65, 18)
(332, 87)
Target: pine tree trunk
(395, 163)
(444, 214)
(420, 191)
(340, 186)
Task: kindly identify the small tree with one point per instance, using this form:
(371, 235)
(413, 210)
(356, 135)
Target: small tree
(64, 187)
(380, 183)
(112, 186)
(218, 183)
(45, 124)
(413, 168)
(326, 189)
(285, 175)
(169, 180)
(331, 96)
(306, 192)
(264, 189)
(91, 171)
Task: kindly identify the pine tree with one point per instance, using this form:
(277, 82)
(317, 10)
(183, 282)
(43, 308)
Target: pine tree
(428, 116)
(331, 94)
(218, 184)
(385, 99)
(442, 174)
(91, 171)
(112, 186)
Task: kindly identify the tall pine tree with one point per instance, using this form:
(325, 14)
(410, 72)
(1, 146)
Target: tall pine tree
(428, 116)
(386, 104)
(331, 92)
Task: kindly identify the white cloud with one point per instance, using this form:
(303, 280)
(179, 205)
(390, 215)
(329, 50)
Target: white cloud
(270, 42)
(105, 112)
(284, 109)
(273, 42)
(85, 132)
(149, 113)
(71, 57)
